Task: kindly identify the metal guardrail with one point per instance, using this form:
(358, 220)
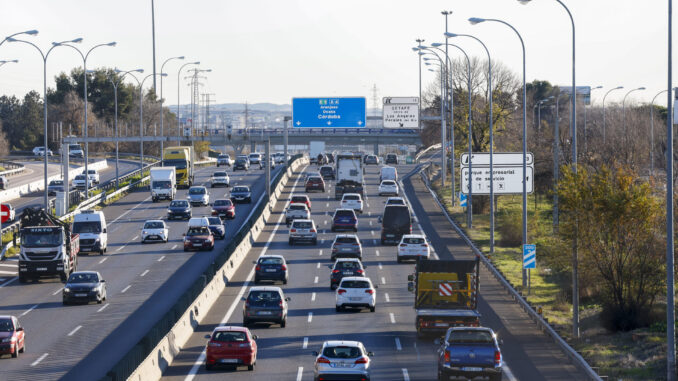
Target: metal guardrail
(527, 307)
(324, 131)
(421, 153)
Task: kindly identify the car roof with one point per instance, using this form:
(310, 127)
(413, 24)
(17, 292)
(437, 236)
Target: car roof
(413, 236)
(486, 329)
(7, 317)
(197, 186)
(352, 194)
(356, 278)
(301, 220)
(334, 343)
(85, 272)
(347, 260)
(344, 209)
(395, 198)
(228, 328)
(265, 288)
(346, 236)
(300, 195)
(271, 256)
(155, 221)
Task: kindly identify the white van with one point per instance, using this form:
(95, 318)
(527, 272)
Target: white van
(91, 226)
(198, 221)
(388, 173)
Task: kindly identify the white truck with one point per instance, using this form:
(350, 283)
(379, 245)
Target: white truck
(163, 183)
(349, 174)
(315, 148)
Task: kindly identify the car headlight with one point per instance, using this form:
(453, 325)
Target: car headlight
(144, 232)
(8, 339)
(66, 289)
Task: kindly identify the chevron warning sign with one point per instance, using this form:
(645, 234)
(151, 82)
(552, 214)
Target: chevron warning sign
(445, 289)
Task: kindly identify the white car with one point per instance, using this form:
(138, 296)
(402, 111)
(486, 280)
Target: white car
(356, 292)
(352, 201)
(154, 230)
(40, 151)
(224, 159)
(388, 187)
(80, 180)
(413, 246)
(303, 230)
(93, 175)
(255, 158)
(395, 201)
(279, 158)
(198, 222)
(342, 360)
(219, 179)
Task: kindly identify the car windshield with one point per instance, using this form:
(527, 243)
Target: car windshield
(240, 189)
(224, 157)
(80, 177)
(315, 179)
(41, 237)
(344, 213)
(165, 184)
(270, 261)
(222, 203)
(179, 204)
(87, 227)
(240, 160)
(91, 172)
(470, 336)
(346, 240)
(254, 155)
(302, 224)
(154, 225)
(299, 199)
(219, 174)
(74, 147)
(196, 191)
(355, 284)
(396, 216)
(214, 220)
(6, 325)
(351, 197)
(201, 230)
(56, 182)
(260, 296)
(396, 201)
(342, 352)
(417, 241)
(83, 278)
(326, 169)
(347, 265)
(232, 336)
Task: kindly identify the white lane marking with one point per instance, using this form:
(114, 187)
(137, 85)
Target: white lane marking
(320, 252)
(397, 344)
(74, 330)
(322, 241)
(8, 265)
(144, 273)
(9, 281)
(121, 247)
(376, 252)
(315, 280)
(383, 280)
(388, 299)
(124, 290)
(370, 222)
(103, 307)
(29, 310)
(124, 214)
(103, 260)
(161, 258)
(374, 241)
(135, 238)
(36, 362)
(508, 373)
(406, 376)
(369, 213)
(372, 232)
(300, 373)
(317, 267)
(8, 272)
(327, 205)
(325, 222)
(313, 297)
(392, 317)
(310, 317)
(174, 247)
(305, 344)
(57, 291)
(380, 266)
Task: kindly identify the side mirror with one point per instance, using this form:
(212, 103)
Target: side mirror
(370, 354)
(410, 278)
(20, 329)
(208, 336)
(105, 230)
(255, 337)
(287, 299)
(243, 299)
(314, 353)
(380, 220)
(437, 341)
(103, 281)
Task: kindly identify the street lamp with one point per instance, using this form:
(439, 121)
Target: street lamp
(28, 32)
(162, 100)
(8, 61)
(179, 90)
(115, 96)
(44, 92)
(84, 73)
(624, 109)
(605, 96)
(539, 110)
(491, 94)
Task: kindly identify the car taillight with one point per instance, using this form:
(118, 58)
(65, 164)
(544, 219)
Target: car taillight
(425, 245)
(362, 360)
(284, 268)
(293, 230)
(214, 212)
(356, 244)
(258, 268)
(370, 291)
(341, 292)
(312, 230)
(497, 358)
(447, 356)
(322, 360)
(214, 344)
(280, 304)
(359, 271)
(335, 271)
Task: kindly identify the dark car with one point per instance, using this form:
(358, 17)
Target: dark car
(223, 208)
(84, 287)
(315, 183)
(346, 246)
(198, 238)
(470, 352)
(54, 187)
(179, 209)
(345, 267)
(241, 164)
(327, 172)
(217, 227)
(12, 336)
(271, 267)
(344, 219)
(391, 158)
(395, 222)
(371, 159)
(265, 304)
(241, 193)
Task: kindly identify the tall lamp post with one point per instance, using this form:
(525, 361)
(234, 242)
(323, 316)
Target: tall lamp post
(8, 61)
(84, 74)
(32, 32)
(179, 89)
(162, 101)
(117, 135)
(44, 94)
(605, 96)
(442, 111)
(490, 96)
(670, 287)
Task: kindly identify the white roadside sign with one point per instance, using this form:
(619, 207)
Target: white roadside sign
(401, 112)
(507, 180)
(499, 158)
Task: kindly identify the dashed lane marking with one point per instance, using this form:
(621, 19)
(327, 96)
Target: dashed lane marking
(124, 290)
(392, 317)
(103, 307)
(144, 273)
(310, 317)
(39, 360)
(29, 310)
(305, 344)
(397, 344)
(313, 297)
(76, 329)
(388, 299)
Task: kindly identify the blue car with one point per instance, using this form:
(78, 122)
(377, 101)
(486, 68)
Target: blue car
(344, 219)
(217, 227)
(179, 209)
(241, 193)
(470, 352)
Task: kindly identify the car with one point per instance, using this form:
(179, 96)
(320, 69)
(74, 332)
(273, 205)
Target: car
(344, 219)
(296, 211)
(271, 162)
(388, 187)
(224, 159)
(55, 186)
(279, 158)
(342, 360)
(314, 183)
(179, 209)
(301, 199)
(220, 179)
(40, 151)
(198, 221)
(197, 195)
(231, 346)
(395, 222)
(4, 183)
(372, 159)
(355, 292)
(223, 208)
(271, 267)
(344, 267)
(12, 336)
(413, 246)
(84, 287)
(327, 172)
(265, 304)
(80, 180)
(395, 201)
(470, 352)
(217, 227)
(352, 201)
(91, 228)
(388, 173)
(346, 246)
(241, 193)
(74, 150)
(256, 159)
(12, 212)
(303, 230)
(198, 238)
(391, 158)
(93, 175)
(154, 230)
(241, 164)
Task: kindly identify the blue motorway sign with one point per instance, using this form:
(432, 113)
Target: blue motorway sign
(463, 200)
(529, 256)
(342, 112)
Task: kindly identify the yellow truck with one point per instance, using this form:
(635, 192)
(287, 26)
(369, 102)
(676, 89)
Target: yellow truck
(445, 294)
(182, 159)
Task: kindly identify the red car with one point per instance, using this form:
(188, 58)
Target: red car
(315, 183)
(302, 199)
(198, 238)
(12, 337)
(223, 208)
(231, 346)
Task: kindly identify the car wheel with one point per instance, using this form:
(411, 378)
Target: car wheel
(338, 308)
(23, 348)
(290, 242)
(285, 281)
(283, 323)
(373, 308)
(185, 249)
(100, 300)
(333, 229)
(16, 351)
(101, 252)
(399, 260)
(245, 323)
(209, 367)
(315, 241)
(495, 377)
(251, 367)
(256, 280)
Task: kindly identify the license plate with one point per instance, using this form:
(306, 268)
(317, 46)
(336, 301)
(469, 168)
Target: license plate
(240, 198)
(354, 299)
(472, 369)
(441, 325)
(154, 237)
(80, 295)
(197, 244)
(346, 249)
(343, 365)
(265, 313)
(42, 269)
(270, 270)
(228, 361)
(348, 273)
(390, 235)
(85, 249)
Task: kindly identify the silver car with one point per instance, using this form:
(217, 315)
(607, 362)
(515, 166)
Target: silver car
(198, 196)
(303, 230)
(347, 246)
(342, 360)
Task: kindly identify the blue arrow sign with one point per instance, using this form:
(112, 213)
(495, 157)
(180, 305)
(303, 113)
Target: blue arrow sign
(529, 256)
(344, 112)
(463, 200)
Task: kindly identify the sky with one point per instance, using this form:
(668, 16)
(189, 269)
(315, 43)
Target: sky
(274, 50)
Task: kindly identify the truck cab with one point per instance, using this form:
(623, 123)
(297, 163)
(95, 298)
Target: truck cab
(163, 183)
(91, 226)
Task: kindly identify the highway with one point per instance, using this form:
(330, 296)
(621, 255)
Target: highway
(143, 281)
(285, 353)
